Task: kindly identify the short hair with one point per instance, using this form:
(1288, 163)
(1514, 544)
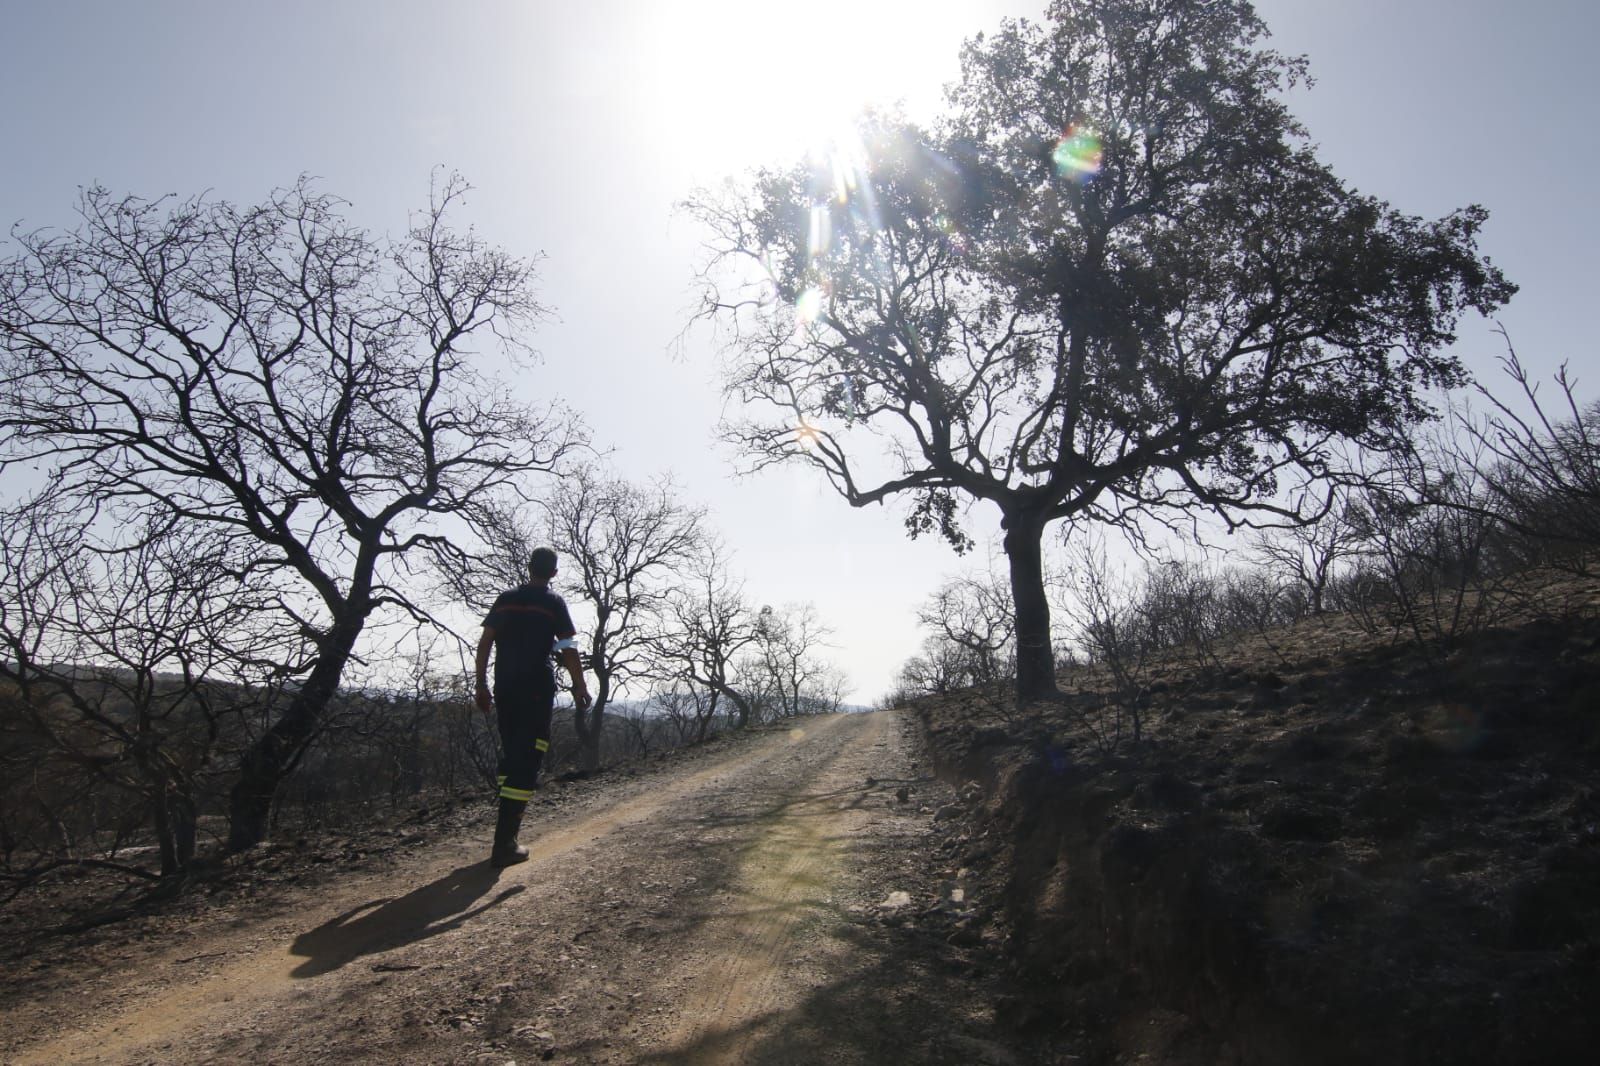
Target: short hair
(542, 563)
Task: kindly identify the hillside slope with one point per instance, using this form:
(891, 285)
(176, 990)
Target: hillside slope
(1327, 848)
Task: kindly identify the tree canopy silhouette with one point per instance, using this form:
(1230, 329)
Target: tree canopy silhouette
(1113, 282)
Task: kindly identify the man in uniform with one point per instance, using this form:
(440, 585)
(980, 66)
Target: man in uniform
(525, 627)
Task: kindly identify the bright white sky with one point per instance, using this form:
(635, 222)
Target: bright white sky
(583, 124)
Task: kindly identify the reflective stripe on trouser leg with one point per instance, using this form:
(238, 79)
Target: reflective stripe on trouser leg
(520, 794)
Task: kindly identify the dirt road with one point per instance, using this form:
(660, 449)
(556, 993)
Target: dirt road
(776, 903)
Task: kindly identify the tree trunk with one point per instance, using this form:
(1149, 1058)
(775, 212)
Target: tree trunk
(173, 817)
(184, 823)
(705, 719)
(740, 704)
(265, 764)
(589, 748)
(590, 725)
(166, 844)
(1036, 667)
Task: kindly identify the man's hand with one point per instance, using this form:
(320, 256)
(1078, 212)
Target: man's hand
(574, 665)
(480, 672)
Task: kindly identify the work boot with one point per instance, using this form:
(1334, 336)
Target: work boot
(507, 852)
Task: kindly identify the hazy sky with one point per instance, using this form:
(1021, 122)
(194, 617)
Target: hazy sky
(583, 124)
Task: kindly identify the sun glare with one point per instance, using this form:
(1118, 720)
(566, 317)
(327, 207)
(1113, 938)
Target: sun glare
(730, 86)
(742, 85)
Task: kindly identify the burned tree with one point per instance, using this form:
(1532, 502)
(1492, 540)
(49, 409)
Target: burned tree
(708, 627)
(621, 545)
(972, 614)
(786, 667)
(280, 384)
(131, 670)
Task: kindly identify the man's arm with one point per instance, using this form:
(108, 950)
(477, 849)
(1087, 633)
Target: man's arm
(481, 695)
(580, 690)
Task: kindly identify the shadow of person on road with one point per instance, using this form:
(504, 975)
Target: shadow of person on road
(385, 924)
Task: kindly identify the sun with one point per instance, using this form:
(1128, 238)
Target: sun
(733, 85)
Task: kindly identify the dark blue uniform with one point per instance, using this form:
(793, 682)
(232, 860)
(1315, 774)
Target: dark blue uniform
(526, 622)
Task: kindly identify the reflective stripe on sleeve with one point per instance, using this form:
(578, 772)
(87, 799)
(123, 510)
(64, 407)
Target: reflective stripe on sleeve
(541, 745)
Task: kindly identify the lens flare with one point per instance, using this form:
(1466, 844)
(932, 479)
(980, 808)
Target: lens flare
(848, 161)
(809, 307)
(821, 231)
(842, 174)
(842, 219)
(1078, 153)
(806, 435)
(956, 239)
(1455, 727)
(841, 160)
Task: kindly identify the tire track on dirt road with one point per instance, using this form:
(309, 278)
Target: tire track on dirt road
(785, 884)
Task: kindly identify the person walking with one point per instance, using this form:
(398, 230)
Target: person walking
(524, 628)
